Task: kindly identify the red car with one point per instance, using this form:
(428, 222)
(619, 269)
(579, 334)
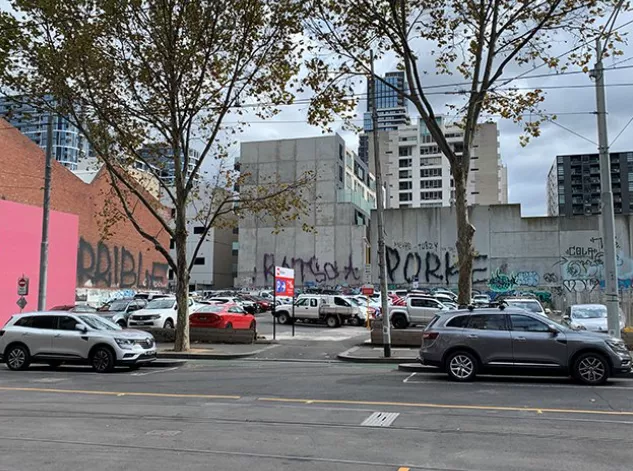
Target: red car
(222, 316)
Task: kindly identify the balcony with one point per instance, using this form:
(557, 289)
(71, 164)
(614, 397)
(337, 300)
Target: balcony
(356, 198)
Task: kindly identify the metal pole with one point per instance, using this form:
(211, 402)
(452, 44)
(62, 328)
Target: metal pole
(293, 313)
(608, 216)
(41, 295)
(382, 254)
(274, 307)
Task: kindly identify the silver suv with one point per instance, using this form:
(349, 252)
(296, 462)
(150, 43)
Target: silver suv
(55, 338)
(514, 341)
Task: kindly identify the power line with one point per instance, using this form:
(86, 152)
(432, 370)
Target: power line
(620, 133)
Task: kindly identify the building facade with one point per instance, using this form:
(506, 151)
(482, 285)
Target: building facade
(391, 109)
(69, 146)
(340, 201)
(574, 184)
(161, 157)
(418, 175)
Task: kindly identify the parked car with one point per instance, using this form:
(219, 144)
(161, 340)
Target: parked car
(417, 310)
(318, 308)
(527, 304)
(592, 317)
(162, 312)
(481, 300)
(222, 316)
(56, 338)
(249, 306)
(151, 296)
(119, 311)
(261, 304)
(445, 292)
(445, 298)
(74, 308)
(515, 341)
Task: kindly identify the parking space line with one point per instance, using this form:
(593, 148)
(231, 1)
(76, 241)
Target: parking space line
(406, 380)
(120, 393)
(156, 371)
(537, 410)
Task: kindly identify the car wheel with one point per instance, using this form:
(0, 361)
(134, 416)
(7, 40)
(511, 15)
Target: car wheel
(54, 364)
(122, 324)
(461, 366)
(229, 326)
(354, 321)
(252, 326)
(17, 357)
(283, 318)
(332, 321)
(399, 322)
(169, 324)
(591, 368)
(102, 360)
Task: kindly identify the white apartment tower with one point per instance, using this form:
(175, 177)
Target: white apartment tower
(418, 175)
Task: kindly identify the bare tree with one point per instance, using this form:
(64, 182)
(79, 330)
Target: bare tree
(478, 40)
(146, 81)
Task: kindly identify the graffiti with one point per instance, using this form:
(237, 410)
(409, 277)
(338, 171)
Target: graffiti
(501, 282)
(116, 267)
(580, 285)
(312, 268)
(528, 278)
(430, 268)
(550, 278)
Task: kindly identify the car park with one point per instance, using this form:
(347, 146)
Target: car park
(222, 316)
(527, 304)
(592, 317)
(514, 341)
(417, 310)
(162, 312)
(55, 338)
(480, 300)
(120, 310)
(318, 308)
(249, 306)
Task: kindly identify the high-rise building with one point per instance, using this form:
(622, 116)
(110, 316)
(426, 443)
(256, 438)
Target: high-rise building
(574, 185)
(418, 175)
(391, 108)
(69, 146)
(161, 156)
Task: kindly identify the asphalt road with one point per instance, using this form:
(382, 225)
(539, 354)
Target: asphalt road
(256, 415)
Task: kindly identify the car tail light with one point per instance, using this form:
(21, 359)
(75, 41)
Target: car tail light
(430, 335)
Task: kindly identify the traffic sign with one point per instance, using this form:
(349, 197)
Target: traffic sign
(23, 286)
(367, 290)
(284, 281)
(21, 302)
(416, 285)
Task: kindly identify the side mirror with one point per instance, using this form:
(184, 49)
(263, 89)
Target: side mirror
(81, 328)
(175, 307)
(553, 330)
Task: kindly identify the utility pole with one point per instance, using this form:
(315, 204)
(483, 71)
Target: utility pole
(608, 216)
(41, 295)
(382, 254)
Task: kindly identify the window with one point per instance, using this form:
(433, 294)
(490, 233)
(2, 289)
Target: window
(404, 174)
(431, 195)
(431, 184)
(405, 151)
(458, 322)
(406, 185)
(303, 302)
(172, 244)
(487, 322)
(173, 212)
(340, 302)
(422, 302)
(199, 261)
(404, 163)
(236, 310)
(171, 274)
(405, 197)
(24, 322)
(430, 172)
(527, 324)
(341, 174)
(44, 322)
(66, 323)
(341, 152)
(314, 302)
(198, 230)
(236, 230)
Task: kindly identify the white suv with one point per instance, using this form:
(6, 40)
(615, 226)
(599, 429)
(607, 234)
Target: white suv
(56, 338)
(161, 313)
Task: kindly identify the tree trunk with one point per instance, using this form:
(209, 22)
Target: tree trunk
(182, 284)
(465, 234)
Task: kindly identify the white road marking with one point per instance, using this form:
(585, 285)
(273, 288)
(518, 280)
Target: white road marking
(489, 384)
(380, 419)
(155, 371)
(406, 380)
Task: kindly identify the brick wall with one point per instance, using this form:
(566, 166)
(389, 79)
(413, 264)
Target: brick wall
(122, 258)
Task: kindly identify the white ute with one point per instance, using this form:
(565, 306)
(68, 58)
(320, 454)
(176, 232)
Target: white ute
(317, 308)
(418, 310)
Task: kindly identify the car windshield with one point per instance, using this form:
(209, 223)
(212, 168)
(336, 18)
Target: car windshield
(115, 306)
(98, 323)
(161, 304)
(530, 306)
(210, 309)
(589, 312)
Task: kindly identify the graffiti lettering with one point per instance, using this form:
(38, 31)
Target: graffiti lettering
(580, 285)
(393, 262)
(310, 269)
(528, 278)
(550, 278)
(105, 267)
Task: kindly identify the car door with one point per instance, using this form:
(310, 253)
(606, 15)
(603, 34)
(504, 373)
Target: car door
(534, 344)
(36, 333)
(489, 336)
(302, 308)
(237, 317)
(68, 342)
(422, 310)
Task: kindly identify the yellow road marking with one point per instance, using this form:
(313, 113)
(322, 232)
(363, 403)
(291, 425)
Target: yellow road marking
(403, 469)
(120, 393)
(448, 406)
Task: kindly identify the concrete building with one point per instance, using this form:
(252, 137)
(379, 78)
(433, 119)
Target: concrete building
(340, 202)
(557, 259)
(418, 175)
(573, 184)
(391, 109)
(69, 146)
(162, 157)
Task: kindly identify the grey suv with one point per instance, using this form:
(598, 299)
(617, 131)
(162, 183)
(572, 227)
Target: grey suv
(513, 341)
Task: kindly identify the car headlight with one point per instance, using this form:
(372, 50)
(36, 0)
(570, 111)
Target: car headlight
(617, 345)
(155, 316)
(125, 344)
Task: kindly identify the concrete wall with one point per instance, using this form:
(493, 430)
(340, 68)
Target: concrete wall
(557, 259)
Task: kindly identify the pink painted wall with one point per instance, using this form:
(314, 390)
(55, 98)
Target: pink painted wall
(20, 238)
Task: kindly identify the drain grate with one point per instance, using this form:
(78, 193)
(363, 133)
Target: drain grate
(380, 419)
